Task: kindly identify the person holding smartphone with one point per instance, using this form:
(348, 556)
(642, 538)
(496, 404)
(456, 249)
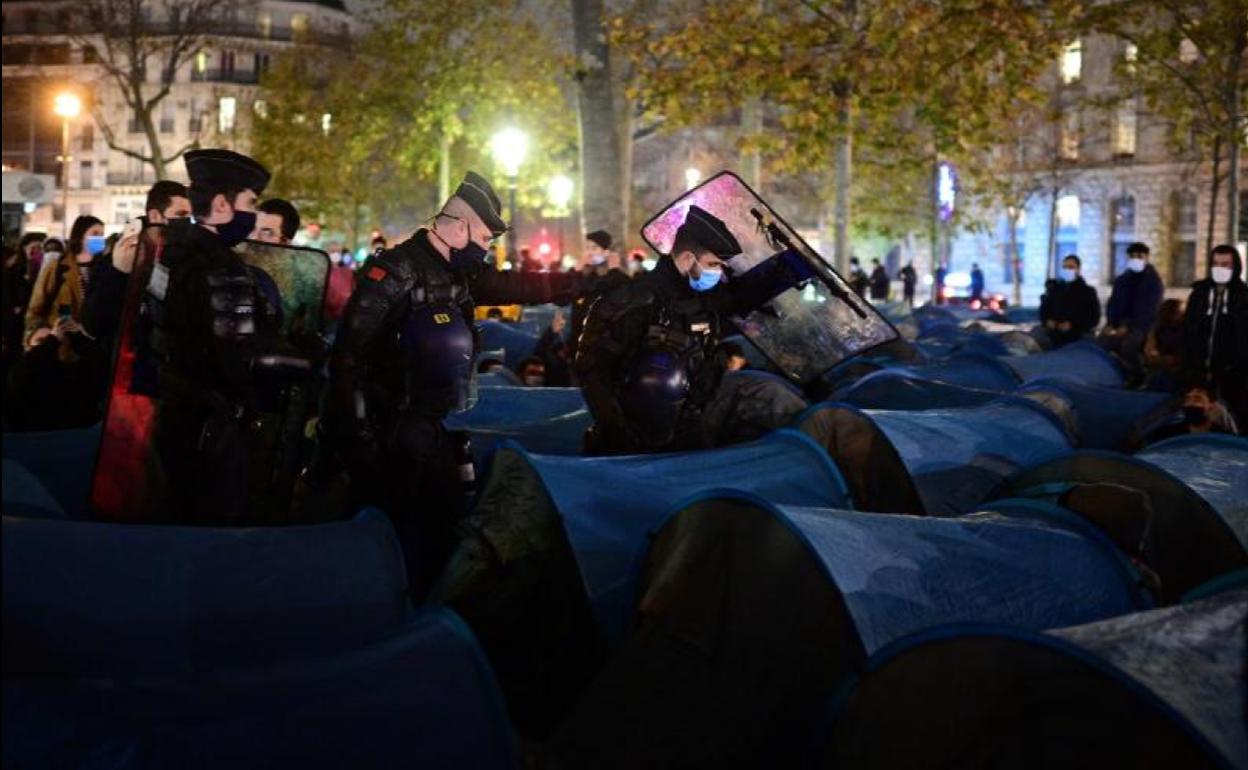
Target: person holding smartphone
(56, 301)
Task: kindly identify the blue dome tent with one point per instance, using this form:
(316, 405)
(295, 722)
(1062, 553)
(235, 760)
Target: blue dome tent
(750, 614)
(942, 461)
(1164, 688)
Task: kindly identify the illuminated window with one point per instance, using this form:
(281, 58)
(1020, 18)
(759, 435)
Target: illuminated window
(1068, 211)
(1068, 141)
(265, 23)
(299, 26)
(201, 62)
(1125, 128)
(1122, 235)
(1072, 62)
(226, 108)
(1188, 52)
(1130, 55)
(326, 122)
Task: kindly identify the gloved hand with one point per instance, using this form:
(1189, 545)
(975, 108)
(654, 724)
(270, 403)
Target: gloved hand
(798, 267)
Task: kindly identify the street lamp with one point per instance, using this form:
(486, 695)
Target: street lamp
(67, 106)
(509, 147)
(559, 190)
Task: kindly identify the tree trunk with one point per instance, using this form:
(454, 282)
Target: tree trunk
(1234, 133)
(602, 188)
(844, 179)
(1015, 268)
(1051, 249)
(752, 125)
(144, 115)
(624, 109)
(933, 224)
(1214, 185)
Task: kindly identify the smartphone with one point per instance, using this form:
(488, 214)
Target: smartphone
(133, 227)
(65, 312)
(95, 244)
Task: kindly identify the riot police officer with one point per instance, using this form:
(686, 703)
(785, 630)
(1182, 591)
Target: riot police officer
(403, 360)
(216, 343)
(649, 359)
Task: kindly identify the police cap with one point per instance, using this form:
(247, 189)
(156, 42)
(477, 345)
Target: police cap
(709, 231)
(478, 194)
(225, 168)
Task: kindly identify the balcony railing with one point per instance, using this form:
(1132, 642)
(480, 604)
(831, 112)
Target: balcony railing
(127, 178)
(244, 77)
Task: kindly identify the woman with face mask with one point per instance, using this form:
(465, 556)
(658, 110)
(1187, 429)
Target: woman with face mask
(57, 298)
(1215, 330)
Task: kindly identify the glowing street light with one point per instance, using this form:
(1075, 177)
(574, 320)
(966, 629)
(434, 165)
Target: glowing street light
(66, 106)
(509, 147)
(692, 177)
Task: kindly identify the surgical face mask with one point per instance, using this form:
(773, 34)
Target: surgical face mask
(707, 280)
(237, 229)
(1136, 265)
(598, 259)
(1069, 274)
(1221, 274)
(95, 244)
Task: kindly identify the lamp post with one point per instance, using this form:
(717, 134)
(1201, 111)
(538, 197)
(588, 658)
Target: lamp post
(509, 147)
(67, 106)
(559, 190)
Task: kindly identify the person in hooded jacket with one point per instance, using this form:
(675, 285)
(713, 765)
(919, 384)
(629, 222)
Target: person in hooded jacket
(1132, 309)
(1215, 330)
(1069, 309)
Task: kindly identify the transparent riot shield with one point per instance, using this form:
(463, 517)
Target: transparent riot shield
(129, 468)
(804, 331)
(293, 278)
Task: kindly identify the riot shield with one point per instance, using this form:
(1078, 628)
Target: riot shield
(804, 331)
(129, 470)
(294, 279)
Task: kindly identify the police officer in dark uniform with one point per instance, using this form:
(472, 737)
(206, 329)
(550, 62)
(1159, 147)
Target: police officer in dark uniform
(403, 360)
(649, 359)
(219, 356)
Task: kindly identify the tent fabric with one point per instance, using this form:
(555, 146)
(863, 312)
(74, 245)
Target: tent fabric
(544, 420)
(1188, 541)
(546, 568)
(87, 597)
(750, 614)
(25, 495)
(952, 457)
(969, 370)
(749, 404)
(901, 390)
(1105, 417)
(516, 343)
(421, 697)
(1163, 688)
(62, 460)
(1081, 361)
(1215, 467)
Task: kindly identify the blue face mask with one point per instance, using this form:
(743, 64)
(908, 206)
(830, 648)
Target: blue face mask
(708, 280)
(95, 244)
(1069, 274)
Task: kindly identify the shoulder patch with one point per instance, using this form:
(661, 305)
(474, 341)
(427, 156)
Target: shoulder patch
(375, 273)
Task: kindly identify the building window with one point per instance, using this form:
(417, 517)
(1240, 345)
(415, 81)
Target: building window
(327, 121)
(201, 62)
(1188, 52)
(227, 63)
(1122, 233)
(1125, 128)
(262, 64)
(1068, 140)
(1183, 256)
(1072, 62)
(299, 27)
(86, 175)
(226, 107)
(88, 136)
(1130, 56)
(1067, 226)
(168, 115)
(265, 23)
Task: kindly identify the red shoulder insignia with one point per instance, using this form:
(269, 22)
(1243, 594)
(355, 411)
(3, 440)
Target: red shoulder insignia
(375, 273)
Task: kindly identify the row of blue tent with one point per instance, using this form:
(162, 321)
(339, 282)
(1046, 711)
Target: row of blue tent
(760, 604)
